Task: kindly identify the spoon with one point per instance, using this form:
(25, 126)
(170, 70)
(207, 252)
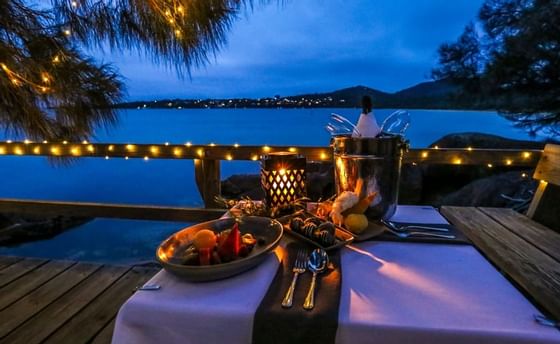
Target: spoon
(317, 263)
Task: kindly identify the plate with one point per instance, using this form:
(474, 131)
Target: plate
(262, 228)
(374, 229)
(342, 237)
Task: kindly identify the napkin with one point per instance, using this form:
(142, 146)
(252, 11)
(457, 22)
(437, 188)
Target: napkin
(275, 324)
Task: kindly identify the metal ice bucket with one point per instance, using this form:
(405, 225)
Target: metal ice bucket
(368, 165)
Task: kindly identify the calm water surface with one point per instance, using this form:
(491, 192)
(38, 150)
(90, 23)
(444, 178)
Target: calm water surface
(171, 182)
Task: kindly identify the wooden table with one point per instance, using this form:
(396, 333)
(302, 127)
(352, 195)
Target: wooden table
(527, 252)
(62, 301)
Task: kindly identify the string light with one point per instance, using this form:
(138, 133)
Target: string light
(106, 157)
(179, 152)
(146, 158)
(524, 175)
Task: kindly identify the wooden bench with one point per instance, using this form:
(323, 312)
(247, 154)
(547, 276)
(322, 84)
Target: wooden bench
(526, 248)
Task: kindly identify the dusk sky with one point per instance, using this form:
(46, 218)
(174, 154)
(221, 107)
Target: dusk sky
(308, 46)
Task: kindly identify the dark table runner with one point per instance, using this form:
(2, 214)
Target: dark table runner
(460, 238)
(274, 324)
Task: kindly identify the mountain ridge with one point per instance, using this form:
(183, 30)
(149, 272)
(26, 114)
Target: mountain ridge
(439, 94)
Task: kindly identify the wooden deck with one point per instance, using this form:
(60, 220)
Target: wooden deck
(48, 301)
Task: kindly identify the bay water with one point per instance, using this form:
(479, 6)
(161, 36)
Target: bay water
(171, 182)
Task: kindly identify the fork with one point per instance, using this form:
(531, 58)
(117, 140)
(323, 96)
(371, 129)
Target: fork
(405, 228)
(299, 268)
(405, 235)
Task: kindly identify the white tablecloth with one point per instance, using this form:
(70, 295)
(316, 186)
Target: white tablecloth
(391, 293)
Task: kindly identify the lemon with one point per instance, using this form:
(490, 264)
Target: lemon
(356, 223)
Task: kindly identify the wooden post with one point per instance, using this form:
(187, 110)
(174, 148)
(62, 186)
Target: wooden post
(207, 175)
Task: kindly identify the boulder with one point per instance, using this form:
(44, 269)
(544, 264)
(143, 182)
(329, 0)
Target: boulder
(508, 189)
(479, 140)
(427, 184)
(20, 229)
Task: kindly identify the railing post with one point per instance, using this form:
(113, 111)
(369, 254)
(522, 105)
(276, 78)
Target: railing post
(207, 175)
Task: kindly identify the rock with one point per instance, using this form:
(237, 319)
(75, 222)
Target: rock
(442, 180)
(479, 140)
(494, 191)
(242, 185)
(411, 184)
(31, 228)
(425, 184)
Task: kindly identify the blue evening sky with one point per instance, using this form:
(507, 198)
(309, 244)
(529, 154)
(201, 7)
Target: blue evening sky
(306, 46)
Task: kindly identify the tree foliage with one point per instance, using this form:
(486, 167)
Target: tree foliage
(511, 55)
(50, 89)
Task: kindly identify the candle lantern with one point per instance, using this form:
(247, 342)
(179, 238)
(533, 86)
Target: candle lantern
(283, 178)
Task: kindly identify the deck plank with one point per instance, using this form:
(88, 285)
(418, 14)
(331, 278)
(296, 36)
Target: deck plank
(532, 269)
(85, 325)
(17, 313)
(8, 260)
(19, 269)
(64, 308)
(106, 334)
(540, 236)
(31, 281)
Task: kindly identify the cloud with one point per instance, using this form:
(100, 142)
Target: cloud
(313, 46)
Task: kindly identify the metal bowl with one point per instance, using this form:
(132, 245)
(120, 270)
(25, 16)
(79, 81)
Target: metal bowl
(262, 228)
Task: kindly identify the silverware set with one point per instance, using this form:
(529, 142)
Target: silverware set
(406, 231)
(317, 262)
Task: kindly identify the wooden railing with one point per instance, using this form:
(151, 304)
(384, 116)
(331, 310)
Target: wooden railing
(207, 159)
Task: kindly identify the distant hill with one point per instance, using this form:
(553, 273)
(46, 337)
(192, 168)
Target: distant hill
(427, 95)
